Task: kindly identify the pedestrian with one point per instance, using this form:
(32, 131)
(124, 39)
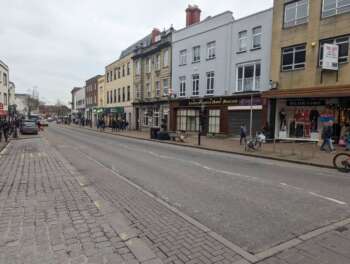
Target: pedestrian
(347, 141)
(6, 129)
(1, 128)
(327, 138)
(243, 134)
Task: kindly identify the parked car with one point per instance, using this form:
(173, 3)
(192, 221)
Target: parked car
(44, 123)
(29, 127)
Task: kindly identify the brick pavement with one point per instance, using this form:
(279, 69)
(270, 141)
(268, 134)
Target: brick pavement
(47, 217)
(306, 153)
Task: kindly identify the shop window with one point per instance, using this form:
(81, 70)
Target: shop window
(248, 77)
(211, 50)
(210, 82)
(156, 117)
(343, 43)
(296, 13)
(293, 58)
(165, 87)
(183, 86)
(195, 84)
(196, 54)
(243, 40)
(183, 57)
(187, 120)
(214, 121)
(335, 7)
(257, 33)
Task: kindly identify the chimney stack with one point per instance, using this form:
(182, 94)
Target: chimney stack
(155, 35)
(193, 15)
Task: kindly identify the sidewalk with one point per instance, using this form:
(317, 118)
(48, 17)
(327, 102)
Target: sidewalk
(303, 153)
(47, 216)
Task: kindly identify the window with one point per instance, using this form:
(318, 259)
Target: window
(107, 76)
(157, 63)
(157, 88)
(248, 77)
(343, 43)
(115, 96)
(214, 121)
(210, 82)
(183, 86)
(128, 69)
(293, 58)
(119, 95)
(183, 57)
(166, 58)
(296, 13)
(119, 75)
(335, 7)
(195, 84)
(138, 91)
(187, 120)
(257, 33)
(123, 94)
(115, 74)
(123, 70)
(165, 87)
(211, 47)
(107, 97)
(138, 67)
(196, 54)
(128, 93)
(111, 96)
(149, 65)
(148, 89)
(243, 40)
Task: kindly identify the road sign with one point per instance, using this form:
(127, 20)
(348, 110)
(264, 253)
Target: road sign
(330, 57)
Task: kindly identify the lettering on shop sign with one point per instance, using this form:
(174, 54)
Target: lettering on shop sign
(225, 101)
(306, 102)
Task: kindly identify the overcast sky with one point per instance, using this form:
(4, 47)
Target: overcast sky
(55, 45)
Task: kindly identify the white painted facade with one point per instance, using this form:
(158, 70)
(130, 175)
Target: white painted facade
(4, 85)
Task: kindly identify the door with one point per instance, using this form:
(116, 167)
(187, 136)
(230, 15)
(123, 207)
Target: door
(238, 118)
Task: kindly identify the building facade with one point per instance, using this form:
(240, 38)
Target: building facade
(4, 89)
(91, 97)
(80, 103)
(101, 97)
(119, 93)
(152, 80)
(307, 94)
(74, 110)
(220, 68)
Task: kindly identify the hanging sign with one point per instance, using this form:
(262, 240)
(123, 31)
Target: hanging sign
(330, 57)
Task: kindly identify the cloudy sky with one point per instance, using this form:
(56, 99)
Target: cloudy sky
(55, 45)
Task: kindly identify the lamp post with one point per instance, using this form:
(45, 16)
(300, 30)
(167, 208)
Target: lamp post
(201, 113)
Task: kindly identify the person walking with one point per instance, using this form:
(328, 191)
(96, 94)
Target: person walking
(327, 139)
(6, 129)
(243, 134)
(1, 128)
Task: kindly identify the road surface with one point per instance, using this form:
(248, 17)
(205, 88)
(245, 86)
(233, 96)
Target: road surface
(254, 203)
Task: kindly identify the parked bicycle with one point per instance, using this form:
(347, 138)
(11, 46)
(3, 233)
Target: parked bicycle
(341, 162)
(255, 144)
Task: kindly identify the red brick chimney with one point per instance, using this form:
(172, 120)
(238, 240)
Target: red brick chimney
(193, 15)
(155, 34)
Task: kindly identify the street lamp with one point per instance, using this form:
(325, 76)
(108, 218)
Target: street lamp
(201, 113)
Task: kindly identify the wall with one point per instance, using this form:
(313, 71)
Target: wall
(309, 33)
(4, 86)
(263, 54)
(219, 29)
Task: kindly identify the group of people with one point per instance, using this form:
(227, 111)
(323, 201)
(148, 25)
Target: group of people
(327, 137)
(119, 124)
(8, 128)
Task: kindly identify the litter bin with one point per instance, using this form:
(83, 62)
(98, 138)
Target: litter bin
(154, 132)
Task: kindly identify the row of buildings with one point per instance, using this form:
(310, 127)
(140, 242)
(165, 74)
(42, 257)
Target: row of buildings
(7, 91)
(285, 69)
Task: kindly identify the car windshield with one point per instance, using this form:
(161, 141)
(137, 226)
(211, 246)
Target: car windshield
(29, 124)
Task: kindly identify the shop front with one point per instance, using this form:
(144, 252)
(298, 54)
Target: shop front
(152, 114)
(303, 116)
(217, 115)
(114, 113)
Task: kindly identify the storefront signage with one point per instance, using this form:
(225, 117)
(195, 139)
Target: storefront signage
(223, 101)
(330, 57)
(306, 102)
(118, 110)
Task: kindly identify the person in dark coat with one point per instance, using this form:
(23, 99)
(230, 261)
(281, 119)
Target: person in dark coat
(327, 138)
(6, 129)
(243, 134)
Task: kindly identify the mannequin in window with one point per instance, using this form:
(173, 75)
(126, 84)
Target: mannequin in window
(283, 119)
(314, 115)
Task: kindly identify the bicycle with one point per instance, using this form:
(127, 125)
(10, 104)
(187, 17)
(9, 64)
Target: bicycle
(341, 162)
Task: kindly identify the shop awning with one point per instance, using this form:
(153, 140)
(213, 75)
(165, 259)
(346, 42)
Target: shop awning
(318, 91)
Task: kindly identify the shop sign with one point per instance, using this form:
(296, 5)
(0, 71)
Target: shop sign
(330, 57)
(117, 110)
(306, 102)
(222, 101)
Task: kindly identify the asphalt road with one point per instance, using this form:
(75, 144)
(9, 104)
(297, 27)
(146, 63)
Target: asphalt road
(254, 203)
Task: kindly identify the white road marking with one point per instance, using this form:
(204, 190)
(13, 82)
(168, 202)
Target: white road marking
(328, 198)
(314, 194)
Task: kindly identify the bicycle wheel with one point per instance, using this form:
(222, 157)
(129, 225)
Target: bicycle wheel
(342, 162)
